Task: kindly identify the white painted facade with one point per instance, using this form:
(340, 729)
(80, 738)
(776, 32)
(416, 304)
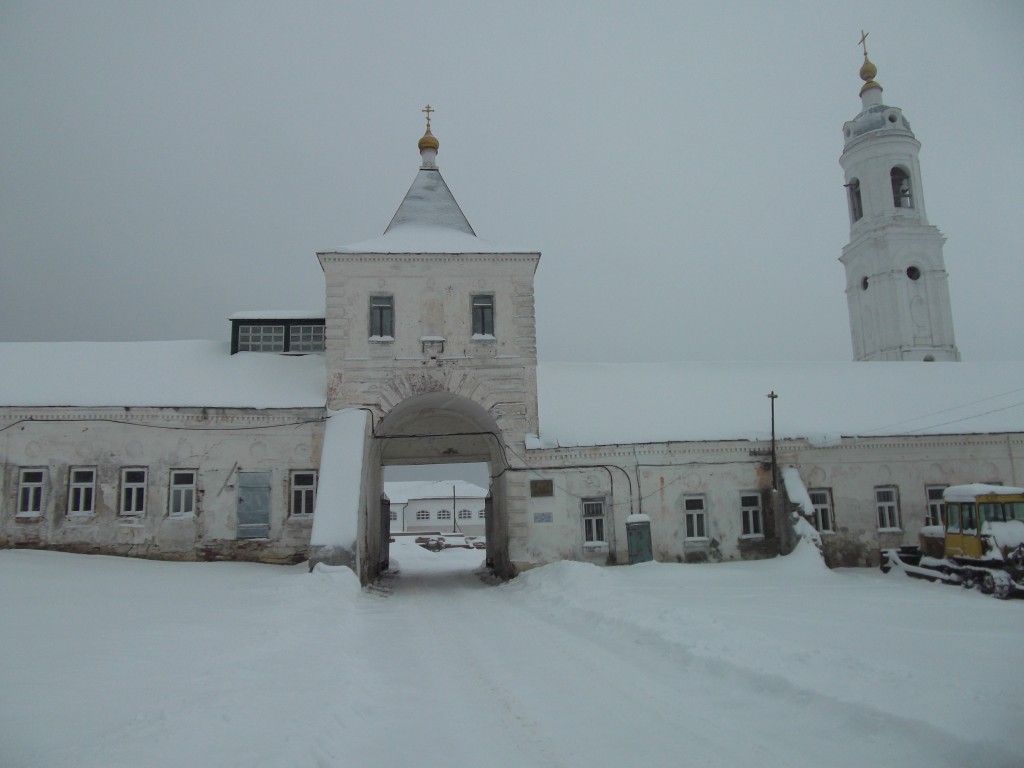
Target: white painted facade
(896, 283)
(443, 507)
(218, 446)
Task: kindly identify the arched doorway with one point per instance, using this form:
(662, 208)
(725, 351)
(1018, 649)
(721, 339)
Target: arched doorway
(438, 428)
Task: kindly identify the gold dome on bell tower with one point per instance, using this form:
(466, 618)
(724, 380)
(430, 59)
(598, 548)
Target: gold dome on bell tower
(867, 70)
(429, 141)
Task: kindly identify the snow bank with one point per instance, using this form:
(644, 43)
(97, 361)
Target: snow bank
(339, 488)
(808, 539)
(120, 662)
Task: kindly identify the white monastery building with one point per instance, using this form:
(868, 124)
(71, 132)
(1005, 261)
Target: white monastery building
(272, 446)
(443, 506)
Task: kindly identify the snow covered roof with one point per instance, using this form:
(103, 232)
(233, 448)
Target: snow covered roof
(400, 492)
(594, 404)
(278, 314)
(157, 373)
(969, 491)
(580, 403)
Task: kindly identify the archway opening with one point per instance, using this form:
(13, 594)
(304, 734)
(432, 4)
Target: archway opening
(450, 441)
(440, 509)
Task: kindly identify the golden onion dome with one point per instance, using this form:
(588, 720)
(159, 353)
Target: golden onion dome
(428, 141)
(868, 70)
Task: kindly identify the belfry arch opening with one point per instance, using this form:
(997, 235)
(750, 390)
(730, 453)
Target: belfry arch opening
(902, 195)
(440, 429)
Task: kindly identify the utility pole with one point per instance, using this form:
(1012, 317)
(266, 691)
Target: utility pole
(775, 472)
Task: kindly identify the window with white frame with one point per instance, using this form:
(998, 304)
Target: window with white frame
(696, 517)
(133, 491)
(936, 506)
(593, 521)
(483, 315)
(30, 492)
(821, 499)
(465, 514)
(261, 338)
(182, 497)
(382, 318)
(750, 509)
(303, 492)
(887, 504)
(423, 514)
(82, 491)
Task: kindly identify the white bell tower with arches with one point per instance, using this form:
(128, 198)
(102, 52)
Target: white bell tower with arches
(896, 281)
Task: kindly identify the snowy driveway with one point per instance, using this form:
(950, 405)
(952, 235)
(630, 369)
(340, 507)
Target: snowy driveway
(113, 662)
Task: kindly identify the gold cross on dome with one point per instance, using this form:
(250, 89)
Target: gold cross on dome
(428, 109)
(864, 42)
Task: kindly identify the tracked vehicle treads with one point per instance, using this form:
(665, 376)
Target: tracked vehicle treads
(979, 543)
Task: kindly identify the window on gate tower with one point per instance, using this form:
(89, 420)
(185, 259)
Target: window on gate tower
(483, 315)
(382, 318)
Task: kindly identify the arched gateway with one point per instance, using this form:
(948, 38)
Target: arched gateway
(431, 332)
(441, 428)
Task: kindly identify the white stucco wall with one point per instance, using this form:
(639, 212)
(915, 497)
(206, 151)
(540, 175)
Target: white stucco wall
(721, 472)
(216, 443)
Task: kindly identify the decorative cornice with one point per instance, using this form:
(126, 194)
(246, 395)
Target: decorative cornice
(144, 416)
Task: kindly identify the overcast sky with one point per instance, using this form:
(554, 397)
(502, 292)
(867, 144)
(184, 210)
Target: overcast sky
(163, 165)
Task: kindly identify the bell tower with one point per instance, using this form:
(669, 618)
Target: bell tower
(896, 283)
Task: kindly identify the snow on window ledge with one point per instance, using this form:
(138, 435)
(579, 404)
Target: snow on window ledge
(751, 536)
(381, 339)
(483, 337)
(890, 530)
(595, 545)
(28, 517)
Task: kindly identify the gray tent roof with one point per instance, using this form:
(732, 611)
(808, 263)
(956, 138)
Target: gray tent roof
(429, 202)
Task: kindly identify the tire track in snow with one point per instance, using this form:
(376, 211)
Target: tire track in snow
(898, 740)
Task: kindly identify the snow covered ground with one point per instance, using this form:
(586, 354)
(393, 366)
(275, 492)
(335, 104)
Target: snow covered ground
(114, 662)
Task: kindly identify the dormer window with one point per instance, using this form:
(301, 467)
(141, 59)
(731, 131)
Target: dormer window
(483, 315)
(261, 338)
(270, 332)
(901, 194)
(856, 206)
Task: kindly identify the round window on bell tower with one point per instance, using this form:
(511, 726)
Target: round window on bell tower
(913, 273)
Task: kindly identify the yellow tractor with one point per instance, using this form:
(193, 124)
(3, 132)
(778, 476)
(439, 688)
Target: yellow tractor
(979, 543)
